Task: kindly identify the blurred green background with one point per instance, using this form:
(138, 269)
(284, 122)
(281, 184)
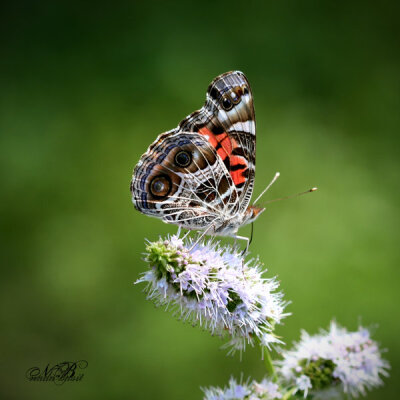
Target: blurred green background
(85, 88)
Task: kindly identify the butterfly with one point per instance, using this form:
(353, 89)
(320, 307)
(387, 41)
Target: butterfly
(200, 175)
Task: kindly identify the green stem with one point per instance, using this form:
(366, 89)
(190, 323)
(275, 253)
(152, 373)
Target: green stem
(269, 365)
(289, 394)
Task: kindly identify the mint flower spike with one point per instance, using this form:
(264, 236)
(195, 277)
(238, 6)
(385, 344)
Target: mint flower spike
(265, 390)
(213, 286)
(333, 363)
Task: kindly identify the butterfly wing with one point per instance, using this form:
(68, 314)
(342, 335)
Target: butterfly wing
(182, 180)
(227, 121)
(202, 172)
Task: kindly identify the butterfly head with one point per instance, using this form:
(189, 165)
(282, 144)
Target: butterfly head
(252, 213)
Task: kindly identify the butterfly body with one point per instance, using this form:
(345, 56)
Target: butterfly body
(200, 175)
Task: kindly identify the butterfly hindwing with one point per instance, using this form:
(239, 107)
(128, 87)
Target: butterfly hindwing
(182, 179)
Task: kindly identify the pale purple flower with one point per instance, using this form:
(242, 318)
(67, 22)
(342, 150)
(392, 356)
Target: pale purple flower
(349, 362)
(215, 287)
(265, 390)
(303, 383)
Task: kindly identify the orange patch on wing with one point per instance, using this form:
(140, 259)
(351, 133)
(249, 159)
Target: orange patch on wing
(237, 177)
(236, 160)
(210, 136)
(227, 146)
(222, 153)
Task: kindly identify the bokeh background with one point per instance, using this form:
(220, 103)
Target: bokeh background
(85, 88)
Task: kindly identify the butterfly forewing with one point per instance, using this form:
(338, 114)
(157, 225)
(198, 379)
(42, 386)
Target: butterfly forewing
(227, 120)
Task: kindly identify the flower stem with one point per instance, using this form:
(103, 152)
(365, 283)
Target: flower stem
(269, 365)
(289, 394)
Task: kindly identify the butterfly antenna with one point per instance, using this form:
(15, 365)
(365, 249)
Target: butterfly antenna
(293, 195)
(269, 185)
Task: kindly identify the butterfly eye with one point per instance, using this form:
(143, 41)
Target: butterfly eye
(226, 103)
(183, 159)
(160, 186)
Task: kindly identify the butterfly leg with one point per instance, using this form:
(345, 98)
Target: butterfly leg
(201, 236)
(179, 231)
(186, 235)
